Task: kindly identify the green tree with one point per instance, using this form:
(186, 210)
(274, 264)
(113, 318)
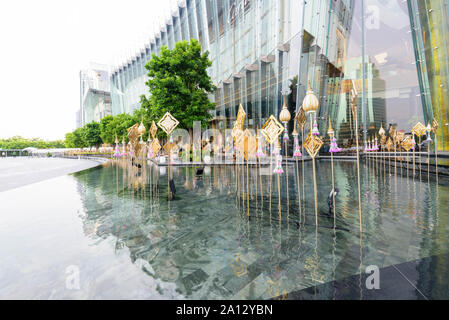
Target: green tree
(91, 134)
(18, 142)
(78, 138)
(107, 131)
(120, 124)
(179, 83)
(70, 140)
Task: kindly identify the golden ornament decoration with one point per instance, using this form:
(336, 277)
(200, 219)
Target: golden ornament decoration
(241, 115)
(381, 131)
(419, 129)
(407, 143)
(156, 146)
(312, 144)
(285, 115)
(310, 103)
(301, 118)
(153, 129)
(168, 123)
(141, 128)
(434, 125)
(272, 129)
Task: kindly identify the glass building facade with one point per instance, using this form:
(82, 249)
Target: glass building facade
(393, 53)
(95, 96)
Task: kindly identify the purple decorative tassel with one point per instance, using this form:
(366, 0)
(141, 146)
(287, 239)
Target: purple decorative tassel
(278, 169)
(150, 153)
(315, 130)
(285, 135)
(117, 151)
(334, 147)
(297, 152)
(376, 147)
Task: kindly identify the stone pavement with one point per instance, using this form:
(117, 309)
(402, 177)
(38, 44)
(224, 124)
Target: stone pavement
(19, 171)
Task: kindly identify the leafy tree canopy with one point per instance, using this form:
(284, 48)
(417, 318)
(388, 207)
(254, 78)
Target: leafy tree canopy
(18, 142)
(179, 83)
(91, 134)
(107, 131)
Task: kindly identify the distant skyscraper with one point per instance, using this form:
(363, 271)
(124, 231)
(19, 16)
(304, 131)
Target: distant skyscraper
(95, 95)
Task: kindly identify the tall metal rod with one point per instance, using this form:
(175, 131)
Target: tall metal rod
(261, 189)
(247, 186)
(333, 186)
(358, 167)
(271, 173)
(436, 156)
(299, 190)
(279, 196)
(314, 177)
(428, 161)
(286, 172)
(420, 160)
(302, 170)
(413, 162)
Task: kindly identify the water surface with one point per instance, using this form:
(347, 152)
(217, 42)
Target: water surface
(128, 240)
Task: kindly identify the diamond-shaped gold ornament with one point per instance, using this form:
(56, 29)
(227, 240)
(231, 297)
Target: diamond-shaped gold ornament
(313, 144)
(168, 123)
(419, 129)
(133, 136)
(156, 146)
(133, 133)
(153, 129)
(301, 118)
(272, 129)
(434, 125)
(407, 143)
(169, 146)
(389, 144)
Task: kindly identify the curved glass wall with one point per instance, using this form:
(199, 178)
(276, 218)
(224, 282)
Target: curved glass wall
(264, 52)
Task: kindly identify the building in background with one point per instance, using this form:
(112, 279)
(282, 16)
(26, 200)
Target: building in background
(264, 51)
(78, 119)
(95, 95)
(430, 29)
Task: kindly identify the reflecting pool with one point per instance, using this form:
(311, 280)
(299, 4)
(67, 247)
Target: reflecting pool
(115, 225)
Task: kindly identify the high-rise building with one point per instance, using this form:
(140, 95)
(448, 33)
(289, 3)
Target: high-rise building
(95, 95)
(393, 53)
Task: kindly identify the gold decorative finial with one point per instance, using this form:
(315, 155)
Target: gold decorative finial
(381, 130)
(141, 128)
(279, 144)
(284, 116)
(294, 133)
(310, 102)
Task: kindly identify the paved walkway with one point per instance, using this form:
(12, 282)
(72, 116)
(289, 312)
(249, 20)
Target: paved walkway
(20, 171)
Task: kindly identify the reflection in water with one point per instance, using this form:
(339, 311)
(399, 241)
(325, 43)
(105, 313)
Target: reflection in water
(204, 242)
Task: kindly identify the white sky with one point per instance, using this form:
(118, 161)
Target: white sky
(43, 46)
